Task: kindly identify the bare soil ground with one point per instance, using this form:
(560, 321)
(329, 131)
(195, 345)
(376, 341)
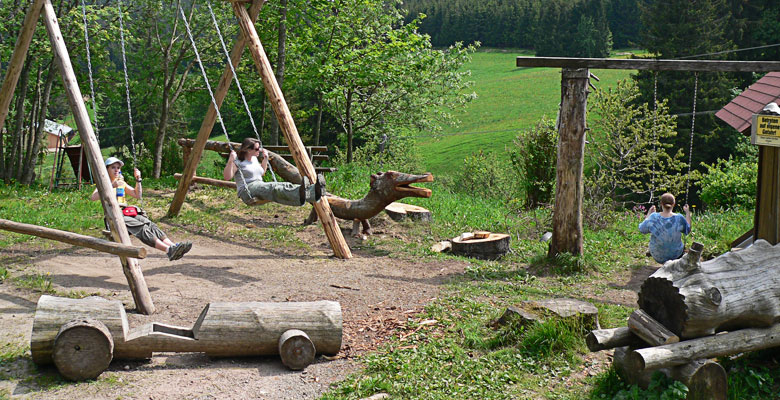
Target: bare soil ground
(378, 293)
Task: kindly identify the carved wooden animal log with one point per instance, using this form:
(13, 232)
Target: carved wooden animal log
(733, 291)
(705, 379)
(223, 329)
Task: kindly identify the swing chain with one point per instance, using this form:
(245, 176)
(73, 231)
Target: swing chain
(238, 83)
(693, 124)
(655, 134)
(208, 86)
(127, 83)
(89, 65)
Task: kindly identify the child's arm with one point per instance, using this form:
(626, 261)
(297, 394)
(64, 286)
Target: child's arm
(687, 214)
(135, 191)
(230, 167)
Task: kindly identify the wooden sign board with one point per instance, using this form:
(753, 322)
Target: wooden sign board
(765, 130)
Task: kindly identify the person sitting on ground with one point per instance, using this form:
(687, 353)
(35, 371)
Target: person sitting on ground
(249, 179)
(135, 219)
(666, 229)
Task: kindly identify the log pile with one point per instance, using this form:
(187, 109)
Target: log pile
(691, 312)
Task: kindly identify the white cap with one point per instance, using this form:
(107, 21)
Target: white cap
(113, 160)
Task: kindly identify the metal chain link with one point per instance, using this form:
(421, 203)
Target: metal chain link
(655, 134)
(211, 93)
(127, 83)
(693, 124)
(238, 83)
(89, 65)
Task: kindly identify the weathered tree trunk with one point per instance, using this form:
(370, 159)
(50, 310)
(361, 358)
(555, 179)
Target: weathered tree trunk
(83, 349)
(40, 134)
(603, 339)
(567, 216)
(650, 330)
(705, 379)
(318, 125)
(296, 349)
(348, 122)
(733, 291)
(723, 344)
(18, 132)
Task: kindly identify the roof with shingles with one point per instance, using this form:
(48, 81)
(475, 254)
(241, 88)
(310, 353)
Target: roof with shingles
(739, 112)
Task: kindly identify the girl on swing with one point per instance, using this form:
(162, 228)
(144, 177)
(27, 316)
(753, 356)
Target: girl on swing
(135, 219)
(666, 229)
(249, 181)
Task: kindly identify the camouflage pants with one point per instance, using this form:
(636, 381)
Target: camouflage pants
(279, 192)
(144, 229)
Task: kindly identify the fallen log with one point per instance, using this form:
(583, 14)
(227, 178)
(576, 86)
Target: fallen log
(733, 291)
(74, 239)
(705, 379)
(722, 344)
(603, 339)
(650, 330)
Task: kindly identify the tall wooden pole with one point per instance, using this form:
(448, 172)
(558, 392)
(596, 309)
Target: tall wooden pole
(287, 124)
(193, 158)
(567, 216)
(766, 225)
(17, 59)
(133, 273)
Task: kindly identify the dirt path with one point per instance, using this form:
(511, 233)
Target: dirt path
(377, 293)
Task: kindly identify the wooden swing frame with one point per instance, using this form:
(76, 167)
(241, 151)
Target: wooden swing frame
(249, 38)
(130, 266)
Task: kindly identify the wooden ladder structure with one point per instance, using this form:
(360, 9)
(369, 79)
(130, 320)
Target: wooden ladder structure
(249, 38)
(130, 266)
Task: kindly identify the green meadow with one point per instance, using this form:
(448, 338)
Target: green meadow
(509, 100)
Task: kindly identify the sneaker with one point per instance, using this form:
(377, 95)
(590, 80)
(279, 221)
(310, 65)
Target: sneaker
(187, 246)
(176, 251)
(172, 252)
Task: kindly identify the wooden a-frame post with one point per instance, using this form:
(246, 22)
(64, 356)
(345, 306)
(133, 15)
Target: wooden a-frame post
(250, 38)
(132, 270)
(567, 215)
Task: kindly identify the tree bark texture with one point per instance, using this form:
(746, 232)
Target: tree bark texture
(567, 216)
(83, 349)
(767, 216)
(40, 134)
(733, 291)
(603, 339)
(281, 56)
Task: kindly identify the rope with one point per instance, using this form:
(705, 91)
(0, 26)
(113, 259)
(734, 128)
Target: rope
(655, 134)
(238, 83)
(127, 83)
(690, 148)
(208, 86)
(89, 64)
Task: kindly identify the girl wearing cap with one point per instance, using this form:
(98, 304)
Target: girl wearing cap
(250, 184)
(666, 229)
(138, 225)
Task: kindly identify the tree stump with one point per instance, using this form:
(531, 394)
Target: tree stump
(402, 211)
(296, 349)
(733, 291)
(83, 349)
(489, 248)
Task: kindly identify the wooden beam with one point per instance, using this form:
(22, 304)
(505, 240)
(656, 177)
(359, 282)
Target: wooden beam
(649, 64)
(650, 330)
(74, 239)
(17, 59)
(209, 181)
(567, 218)
(133, 273)
(603, 339)
(286, 123)
(211, 116)
(767, 217)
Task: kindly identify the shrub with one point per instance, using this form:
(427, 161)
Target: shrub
(535, 159)
(731, 182)
(483, 175)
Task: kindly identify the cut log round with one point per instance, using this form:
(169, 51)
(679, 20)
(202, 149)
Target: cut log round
(401, 211)
(489, 248)
(83, 349)
(603, 339)
(296, 349)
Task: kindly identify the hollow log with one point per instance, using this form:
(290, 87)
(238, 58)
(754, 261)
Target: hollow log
(722, 344)
(221, 330)
(74, 239)
(733, 291)
(603, 339)
(650, 330)
(83, 349)
(490, 248)
(705, 379)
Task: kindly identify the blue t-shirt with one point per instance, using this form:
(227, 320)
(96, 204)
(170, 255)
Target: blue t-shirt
(665, 235)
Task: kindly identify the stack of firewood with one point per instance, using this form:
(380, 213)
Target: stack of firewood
(691, 312)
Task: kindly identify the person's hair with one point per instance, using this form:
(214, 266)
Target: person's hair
(667, 201)
(246, 145)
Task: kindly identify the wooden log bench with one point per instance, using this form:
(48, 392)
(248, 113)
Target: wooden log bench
(297, 331)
